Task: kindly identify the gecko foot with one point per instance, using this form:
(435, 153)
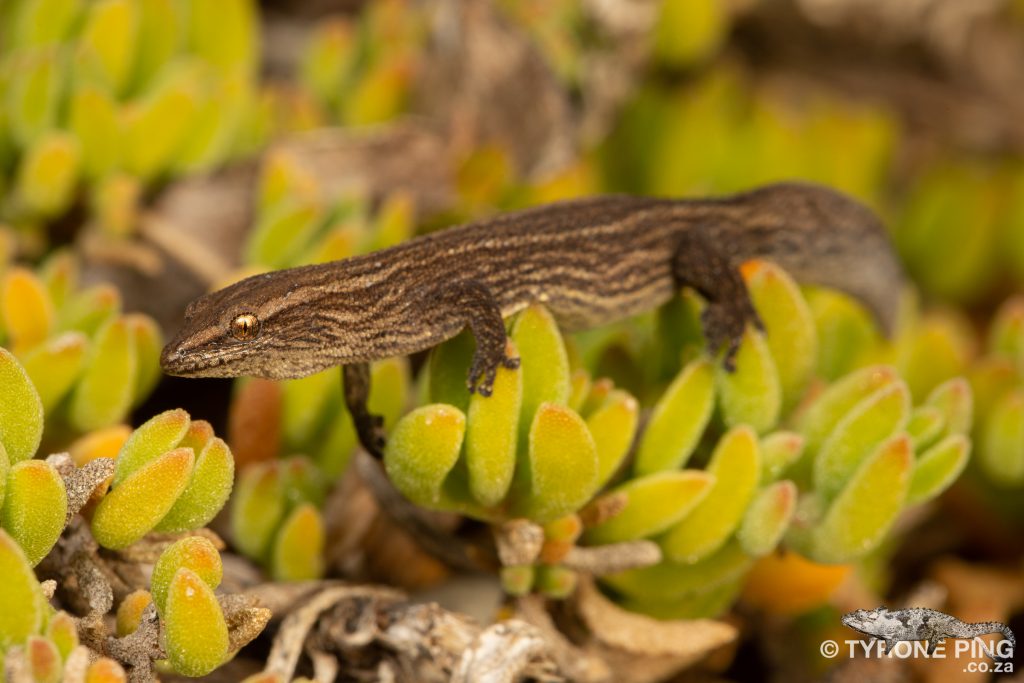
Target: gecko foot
(483, 372)
(724, 324)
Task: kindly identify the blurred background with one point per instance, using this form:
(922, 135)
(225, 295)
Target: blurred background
(172, 146)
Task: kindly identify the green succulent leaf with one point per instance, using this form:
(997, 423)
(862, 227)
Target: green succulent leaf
(423, 449)
(938, 467)
(142, 499)
(298, 550)
(736, 467)
(257, 509)
(159, 37)
(226, 34)
(845, 331)
(1006, 336)
(556, 582)
(821, 418)
(678, 420)
(561, 465)
(94, 122)
(43, 659)
(193, 552)
(28, 313)
(89, 310)
(862, 513)
(283, 232)
(63, 632)
(491, 432)
(55, 365)
(207, 490)
(195, 632)
(751, 395)
(955, 400)
(1001, 455)
(34, 507)
(779, 450)
(925, 426)
(43, 22)
(518, 580)
(22, 605)
(669, 580)
(21, 411)
(48, 174)
(448, 369)
(791, 334)
(156, 436)
(767, 518)
(107, 42)
(613, 427)
(103, 395)
(654, 503)
(170, 107)
(544, 364)
(33, 94)
(870, 422)
(148, 344)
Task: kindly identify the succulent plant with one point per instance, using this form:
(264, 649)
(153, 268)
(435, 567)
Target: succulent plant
(824, 469)
(124, 68)
(89, 362)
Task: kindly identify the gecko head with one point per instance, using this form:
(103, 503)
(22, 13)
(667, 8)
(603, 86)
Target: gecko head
(864, 620)
(255, 327)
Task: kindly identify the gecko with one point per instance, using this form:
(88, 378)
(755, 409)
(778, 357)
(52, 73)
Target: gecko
(590, 261)
(920, 623)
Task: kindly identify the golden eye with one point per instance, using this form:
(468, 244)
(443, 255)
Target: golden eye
(245, 327)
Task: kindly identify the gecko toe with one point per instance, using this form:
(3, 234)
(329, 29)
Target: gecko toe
(511, 363)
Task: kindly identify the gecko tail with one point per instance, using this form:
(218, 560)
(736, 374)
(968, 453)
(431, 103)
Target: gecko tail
(985, 627)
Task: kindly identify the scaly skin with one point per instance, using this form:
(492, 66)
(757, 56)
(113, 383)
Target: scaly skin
(590, 261)
(919, 623)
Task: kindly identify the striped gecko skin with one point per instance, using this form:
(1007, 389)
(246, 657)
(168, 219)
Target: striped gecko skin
(590, 261)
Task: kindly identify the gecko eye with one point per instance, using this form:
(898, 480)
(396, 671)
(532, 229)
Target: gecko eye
(245, 327)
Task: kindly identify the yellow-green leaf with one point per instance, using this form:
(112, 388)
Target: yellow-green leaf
(870, 422)
(153, 438)
(543, 363)
(491, 431)
(821, 418)
(194, 628)
(423, 449)
(55, 365)
(561, 465)
(257, 509)
(193, 552)
(28, 314)
(792, 337)
(1001, 454)
(107, 42)
(613, 427)
(22, 603)
(751, 395)
(865, 509)
(767, 518)
(678, 420)
(207, 490)
(134, 507)
(103, 395)
(938, 467)
(298, 551)
(34, 508)
(654, 503)
(21, 411)
(736, 467)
